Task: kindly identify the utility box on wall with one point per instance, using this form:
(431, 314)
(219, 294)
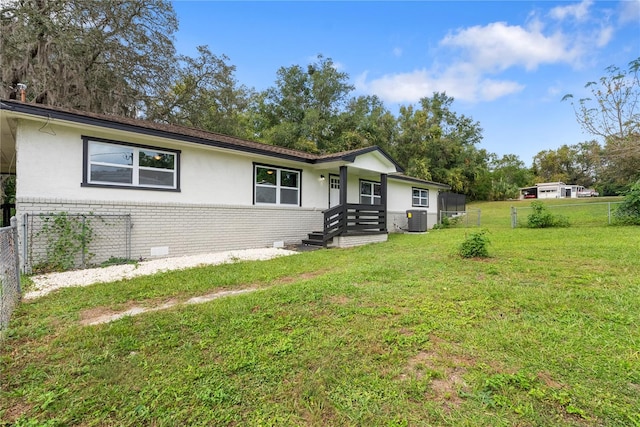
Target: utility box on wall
(417, 220)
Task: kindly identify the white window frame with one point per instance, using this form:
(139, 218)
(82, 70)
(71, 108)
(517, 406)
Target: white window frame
(135, 166)
(423, 195)
(374, 200)
(278, 186)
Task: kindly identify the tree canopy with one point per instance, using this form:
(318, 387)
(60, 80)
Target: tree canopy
(203, 93)
(118, 57)
(435, 143)
(579, 164)
(99, 56)
(302, 110)
(612, 113)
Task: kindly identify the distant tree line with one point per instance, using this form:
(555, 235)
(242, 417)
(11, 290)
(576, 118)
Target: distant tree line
(118, 57)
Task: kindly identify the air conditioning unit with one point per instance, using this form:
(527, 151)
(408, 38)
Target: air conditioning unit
(417, 221)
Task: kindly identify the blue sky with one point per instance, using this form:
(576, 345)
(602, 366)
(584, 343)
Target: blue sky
(507, 64)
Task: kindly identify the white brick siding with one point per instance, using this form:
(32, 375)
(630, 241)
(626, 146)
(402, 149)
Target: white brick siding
(188, 229)
(348, 241)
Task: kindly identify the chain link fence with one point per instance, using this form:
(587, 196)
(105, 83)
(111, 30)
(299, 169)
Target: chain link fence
(465, 218)
(63, 241)
(9, 273)
(592, 214)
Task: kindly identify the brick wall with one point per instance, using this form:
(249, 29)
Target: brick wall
(188, 229)
(349, 241)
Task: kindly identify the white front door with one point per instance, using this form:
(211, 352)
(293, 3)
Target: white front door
(334, 190)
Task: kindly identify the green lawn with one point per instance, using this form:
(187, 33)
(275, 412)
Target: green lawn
(545, 332)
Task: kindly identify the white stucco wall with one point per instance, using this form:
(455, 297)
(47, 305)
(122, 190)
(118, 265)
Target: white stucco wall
(214, 208)
(400, 195)
(373, 161)
(51, 164)
(400, 199)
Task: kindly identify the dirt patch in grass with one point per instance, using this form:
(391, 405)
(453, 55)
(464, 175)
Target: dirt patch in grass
(446, 389)
(303, 276)
(14, 411)
(339, 299)
(447, 370)
(89, 315)
(99, 315)
(546, 379)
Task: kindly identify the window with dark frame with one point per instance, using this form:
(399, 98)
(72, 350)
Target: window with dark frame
(276, 185)
(420, 197)
(370, 193)
(119, 164)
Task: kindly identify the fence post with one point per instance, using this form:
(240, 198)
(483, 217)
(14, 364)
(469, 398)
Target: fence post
(25, 244)
(128, 226)
(514, 217)
(14, 225)
(82, 240)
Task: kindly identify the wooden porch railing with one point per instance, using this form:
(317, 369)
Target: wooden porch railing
(352, 218)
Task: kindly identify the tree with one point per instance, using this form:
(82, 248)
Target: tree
(302, 110)
(435, 143)
(580, 164)
(508, 174)
(613, 114)
(203, 94)
(365, 122)
(629, 211)
(99, 56)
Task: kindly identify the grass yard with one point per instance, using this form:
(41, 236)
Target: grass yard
(545, 332)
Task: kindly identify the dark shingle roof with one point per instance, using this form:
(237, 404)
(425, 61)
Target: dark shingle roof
(197, 136)
(155, 129)
(404, 177)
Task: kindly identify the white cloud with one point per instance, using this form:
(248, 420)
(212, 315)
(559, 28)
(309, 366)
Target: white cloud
(339, 66)
(477, 57)
(489, 89)
(498, 46)
(604, 36)
(397, 51)
(457, 82)
(630, 12)
(398, 88)
(578, 11)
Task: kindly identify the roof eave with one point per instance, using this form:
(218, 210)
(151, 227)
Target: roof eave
(420, 181)
(34, 110)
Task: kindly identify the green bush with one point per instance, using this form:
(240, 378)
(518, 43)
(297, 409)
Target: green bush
(543, 218)
(475, 246)
(628, 213)
(447, 222)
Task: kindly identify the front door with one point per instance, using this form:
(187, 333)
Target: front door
(334, 190)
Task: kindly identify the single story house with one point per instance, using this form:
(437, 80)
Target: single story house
(552, 190)
(189, 191)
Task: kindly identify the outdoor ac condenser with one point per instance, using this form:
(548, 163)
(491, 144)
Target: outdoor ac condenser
(417, 221)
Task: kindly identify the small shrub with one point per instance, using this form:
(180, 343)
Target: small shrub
(628, 213)
(447, 222)
(543, 218)
(444, 223)
(475, 246)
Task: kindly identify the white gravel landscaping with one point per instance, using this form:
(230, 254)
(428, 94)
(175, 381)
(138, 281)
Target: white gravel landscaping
(46, 283)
